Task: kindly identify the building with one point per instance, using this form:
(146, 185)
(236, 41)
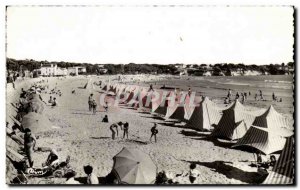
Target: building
(74, 71)
(48, 70)
(102, 70)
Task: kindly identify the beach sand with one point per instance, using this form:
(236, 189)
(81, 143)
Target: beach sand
(80, 134)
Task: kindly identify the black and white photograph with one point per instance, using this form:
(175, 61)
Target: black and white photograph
(150, 95)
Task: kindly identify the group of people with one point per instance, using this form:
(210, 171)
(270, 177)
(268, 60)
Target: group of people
(114, 129)
(93, 104)
(244, 95)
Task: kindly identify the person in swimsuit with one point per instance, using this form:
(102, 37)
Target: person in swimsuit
(114, 129)
(29, 144)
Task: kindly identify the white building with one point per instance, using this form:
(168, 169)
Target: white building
(48, 70)
(76, 71)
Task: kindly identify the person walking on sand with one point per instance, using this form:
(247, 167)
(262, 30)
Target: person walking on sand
(154, 132)
(29, 144)
(189, 92)
(114, 129)
(125, 129)
(90, 102)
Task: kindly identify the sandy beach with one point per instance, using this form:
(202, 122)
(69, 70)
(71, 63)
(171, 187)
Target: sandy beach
(77, 132)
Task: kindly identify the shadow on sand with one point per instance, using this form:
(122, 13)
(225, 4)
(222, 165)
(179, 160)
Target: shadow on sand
(78, 113)
(100, 137)
(137, 142)
(232, 172)
(154, 117)
(206, 137)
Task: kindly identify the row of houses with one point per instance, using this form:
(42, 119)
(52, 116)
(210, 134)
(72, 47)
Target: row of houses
(54, 70)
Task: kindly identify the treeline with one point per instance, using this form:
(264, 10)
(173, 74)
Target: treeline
(174, 69)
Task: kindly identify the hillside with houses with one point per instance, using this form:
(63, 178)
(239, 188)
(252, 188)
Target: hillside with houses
(32, 68)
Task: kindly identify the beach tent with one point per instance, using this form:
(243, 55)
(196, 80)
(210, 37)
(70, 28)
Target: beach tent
(132, 166)
(104, 88)
(133, 93)
(234, 123)
(36, 122)
(271, 119)
(160, 106)
(151, 99)
(264, 140)
(283, 171)
(204, 115)
(176, 105)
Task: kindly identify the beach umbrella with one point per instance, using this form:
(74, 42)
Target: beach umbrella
(36, 122)
(133, 166)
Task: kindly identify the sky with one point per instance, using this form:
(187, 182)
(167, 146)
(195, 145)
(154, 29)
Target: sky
(160, 35)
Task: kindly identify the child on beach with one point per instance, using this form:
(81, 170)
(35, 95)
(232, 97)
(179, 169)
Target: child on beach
(154, 132)
(193, 173)
(91, 177)
(125, 129)
(105, 119)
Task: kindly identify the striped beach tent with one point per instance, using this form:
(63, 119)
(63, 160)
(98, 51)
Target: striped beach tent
(177, 111)
(204, 115)
(104, 88)
(160, 106)
(234, 123)
(264, 140)
(132, 93)
(283, 171)
(271, 119)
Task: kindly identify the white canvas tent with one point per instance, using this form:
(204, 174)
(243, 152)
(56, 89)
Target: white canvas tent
(271, 119)
(264, 140)
(234, 123)
(204, 115)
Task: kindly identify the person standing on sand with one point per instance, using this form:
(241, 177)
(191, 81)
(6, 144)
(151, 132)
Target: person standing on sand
(29, 144)
(114, 129)
(189, 92)
(243, 99)
(229, 93)
(50, 100)
(125, 129)
(151, 88)
(94, 106)
(154, 132)
(237, 95)
(90, 102)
